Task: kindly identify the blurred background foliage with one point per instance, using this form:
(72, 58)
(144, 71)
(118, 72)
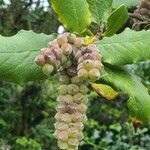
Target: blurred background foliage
(27, 111)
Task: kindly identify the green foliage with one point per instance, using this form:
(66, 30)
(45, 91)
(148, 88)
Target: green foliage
(74, 14)
(25, 14)
(125, 48)
(128, 3)
(18, 53)
(27, 144)
(139, 103)
(115, 21)
(100, 10)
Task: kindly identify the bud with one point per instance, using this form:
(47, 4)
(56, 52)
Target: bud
(66, 117)
(40, 60)
(80, 136)
(63, 136)
(84, 118)
(88, 56)
(73, 142)
(83, 89)
(83, 74)
(63, 89)
(61, 39)
(78, 42)
(53, 44)
(61, 126)
(47, 69)
(65, 98)
(57, 52)
(79, 126)
(97, 65)
(85, 50)
(77, 98)
(50, 57)
(73, 89)
(97, 55)
(58, 116)
(64, 79)
(94, 74)
(82, 108)
(71, 107)
(76, 80)
(71, 38)
(62, 145)
(67, 48)
(76, 117)
(73, 132)
(88, 64)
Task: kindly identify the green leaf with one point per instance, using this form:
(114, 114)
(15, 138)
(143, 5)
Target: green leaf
(17, 55)
(127, 3)
(74, 14)
(125, 48)
(139, 103)
(100, 9)
(115, 21)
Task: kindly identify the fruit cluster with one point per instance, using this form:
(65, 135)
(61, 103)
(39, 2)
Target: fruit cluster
(144, 9)
(71, 112)
(89, 64)
(76, 64)
(58, 53)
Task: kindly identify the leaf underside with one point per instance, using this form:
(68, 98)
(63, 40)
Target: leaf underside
(127, 3)
(17, 55)
(139, 103)
(127, 47)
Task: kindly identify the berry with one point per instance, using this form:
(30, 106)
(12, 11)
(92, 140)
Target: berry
(47, 69)
(67, 48)
(62, 144)
(83, 89)
(82, 74)
(63, 136)
(53, 44)
(61, 39)
(73, 89)
(94, 74)
(40, 60)
(78, 42)
(76, 80)
(77, 98)
(88, 64)
(71, 38)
